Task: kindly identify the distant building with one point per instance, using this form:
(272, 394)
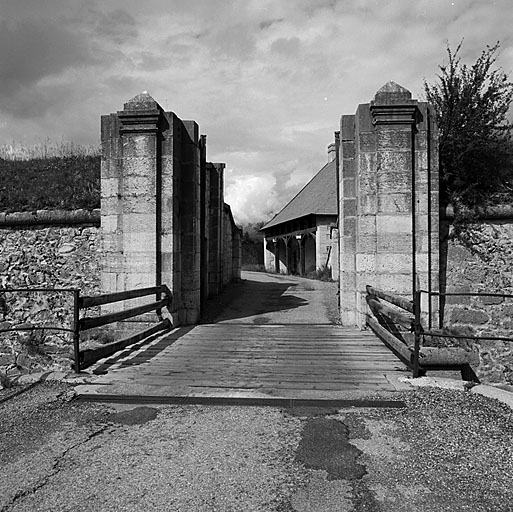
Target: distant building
(303, 236)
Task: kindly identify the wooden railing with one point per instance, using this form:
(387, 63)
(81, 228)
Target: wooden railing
(84, 358)
(390, 324)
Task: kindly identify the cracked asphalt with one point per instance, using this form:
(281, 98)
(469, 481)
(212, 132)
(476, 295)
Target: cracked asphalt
(446, 450)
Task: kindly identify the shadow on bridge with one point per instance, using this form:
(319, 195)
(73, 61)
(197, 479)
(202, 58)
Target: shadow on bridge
(267, 338)
(250, 301)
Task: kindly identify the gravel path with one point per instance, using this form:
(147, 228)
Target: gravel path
(446, 451)
(262, 298)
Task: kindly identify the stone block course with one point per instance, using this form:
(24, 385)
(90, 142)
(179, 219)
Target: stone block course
(394, 139)
(395, 224)
(396, 202)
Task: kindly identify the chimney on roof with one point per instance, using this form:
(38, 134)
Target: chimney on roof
(332, 152)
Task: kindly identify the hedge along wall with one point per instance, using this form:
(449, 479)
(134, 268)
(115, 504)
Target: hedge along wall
(480, 259)
(45, 249)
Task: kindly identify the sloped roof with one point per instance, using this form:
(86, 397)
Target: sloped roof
(318, 197)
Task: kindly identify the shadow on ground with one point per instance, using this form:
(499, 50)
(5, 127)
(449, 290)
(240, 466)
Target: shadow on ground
(249, 298)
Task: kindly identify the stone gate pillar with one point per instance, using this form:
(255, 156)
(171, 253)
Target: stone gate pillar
(388, 200)
(129, 199)
(150, 204)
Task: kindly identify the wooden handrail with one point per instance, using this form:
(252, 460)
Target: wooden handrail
(108, 298)
(382, 308)
(396, 300)
(89, 323)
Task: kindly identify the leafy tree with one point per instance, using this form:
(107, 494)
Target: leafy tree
(476, 151)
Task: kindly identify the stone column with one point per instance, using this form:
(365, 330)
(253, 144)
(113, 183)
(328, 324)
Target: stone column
(216, 219)
(335, 273)
(391, 215)
(269, 255)
(277, 268)
(236, 254)
(191, 223)
(151, 215)
(287, 256)
(323, 244)
(130, 198)
(347, 221)
(301, 262)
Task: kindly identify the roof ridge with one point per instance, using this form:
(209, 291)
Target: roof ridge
(299, 206)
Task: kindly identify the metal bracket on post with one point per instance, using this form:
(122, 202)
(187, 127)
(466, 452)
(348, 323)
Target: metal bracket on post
(76, 329)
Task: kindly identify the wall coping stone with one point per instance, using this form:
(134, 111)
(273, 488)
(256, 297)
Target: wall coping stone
(498, 212)
(50, 217)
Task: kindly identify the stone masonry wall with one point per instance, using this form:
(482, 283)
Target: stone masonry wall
(56, 256)
(480, 259)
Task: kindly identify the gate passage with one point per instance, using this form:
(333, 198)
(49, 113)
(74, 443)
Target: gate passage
(244, 353)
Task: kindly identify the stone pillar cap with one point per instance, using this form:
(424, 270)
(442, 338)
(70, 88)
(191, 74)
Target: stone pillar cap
(392, 92)
(142, 114)
(142, 101)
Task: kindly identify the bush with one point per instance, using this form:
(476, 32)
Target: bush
(321, 274)
(476, 151)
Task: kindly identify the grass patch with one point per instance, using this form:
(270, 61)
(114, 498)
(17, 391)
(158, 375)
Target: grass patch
(253, 267)
(321, 274)
(58, 182)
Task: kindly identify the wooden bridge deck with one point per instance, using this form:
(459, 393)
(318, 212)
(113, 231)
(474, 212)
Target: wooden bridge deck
(294, 361)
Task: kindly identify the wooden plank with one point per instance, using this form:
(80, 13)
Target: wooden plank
(274, 353)
(212, 380)
(89, 323)
(260, 373)
(356, 377)
(289, 361)
(399, 348)
(273, 363)
(396, 300)
(266, 342)
(298, 358)
(277, 385)
(262, 363)
(182, 359)
(107, 298)
(263, 378)
(397, 317)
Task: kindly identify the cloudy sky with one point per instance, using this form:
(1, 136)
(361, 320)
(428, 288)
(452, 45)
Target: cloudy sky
(266, 80)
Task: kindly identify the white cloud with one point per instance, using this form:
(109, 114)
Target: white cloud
(253, 74)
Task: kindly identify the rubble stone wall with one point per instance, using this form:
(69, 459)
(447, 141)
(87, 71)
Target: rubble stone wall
(480, 260)
(44, 256)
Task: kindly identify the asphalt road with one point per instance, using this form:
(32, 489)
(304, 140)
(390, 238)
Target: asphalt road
(446, 451)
